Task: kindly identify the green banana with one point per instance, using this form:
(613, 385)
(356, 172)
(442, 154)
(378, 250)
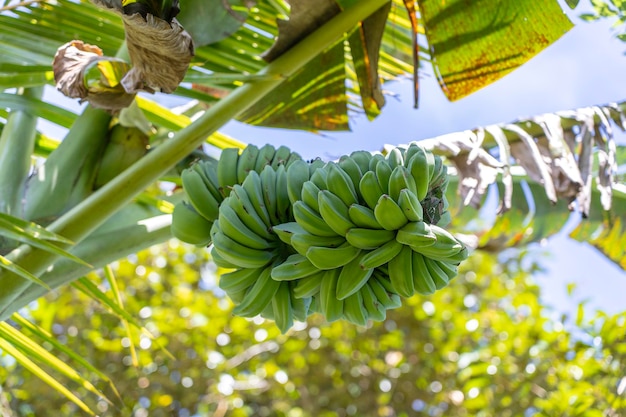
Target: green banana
(264, 157)
(334, 212)
(375, 309)
(350, 167)
(237, 296)
(314, 165)
(232, 226)
(450, 269)
(208, 172)
(246, 162)
(294, 267)
(258, 296)
(302, 241)
(330, 258)
(440, 278)
(319, 177)
(375, 160)
(410, 152)
(445, 248)
(283, 311)
(423, 281)
(383, 173)
(340, 184)
(411, 206)
(363, 216)
(370, 189)
(240, 202)
(239, 279)
(227, 170)
(419, 169)
(309, 195)
(310, 220)
(329, 305)
(199, 195)
(297, 174)
(362, 159)
(388, 299)
(281, 156)
(416, 235)
(445, 252)
(268, 311)
(369, 238)
(308, 286)
(389, 214)
(381, 255)
(439, 177)
(394, 158)
(221, 262)
(283, 204)
(300, 306)
(268, 183)
(126, 146)
(285, 231)
(254, 187)
(189, 226)
(401, 273)
(351, 278)
(240, 255)
(401, 179)
(354, 311)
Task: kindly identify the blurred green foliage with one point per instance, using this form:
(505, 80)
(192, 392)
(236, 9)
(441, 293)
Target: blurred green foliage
(484, 346)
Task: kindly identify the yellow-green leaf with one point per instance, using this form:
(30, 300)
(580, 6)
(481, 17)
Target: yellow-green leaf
(473, 44)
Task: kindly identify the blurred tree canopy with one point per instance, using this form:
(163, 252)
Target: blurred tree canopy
(484, 347)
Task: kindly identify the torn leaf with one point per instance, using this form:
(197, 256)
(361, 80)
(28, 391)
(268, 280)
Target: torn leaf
(80, 71)
(305, 17)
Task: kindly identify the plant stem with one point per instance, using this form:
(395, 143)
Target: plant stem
(88, 215)
(16, 147)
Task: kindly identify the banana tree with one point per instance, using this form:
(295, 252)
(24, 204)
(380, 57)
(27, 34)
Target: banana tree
(108, 188)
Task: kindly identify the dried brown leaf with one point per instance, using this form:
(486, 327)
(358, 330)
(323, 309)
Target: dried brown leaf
(70, 66)
(160, 52)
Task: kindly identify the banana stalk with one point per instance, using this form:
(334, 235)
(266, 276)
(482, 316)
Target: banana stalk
(67, 177)
(79, 222)
(16, 146)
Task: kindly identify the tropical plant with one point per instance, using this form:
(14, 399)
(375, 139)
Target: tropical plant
(308, 72)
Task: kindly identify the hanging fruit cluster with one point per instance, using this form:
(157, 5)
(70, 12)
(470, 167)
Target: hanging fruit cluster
(344, 239)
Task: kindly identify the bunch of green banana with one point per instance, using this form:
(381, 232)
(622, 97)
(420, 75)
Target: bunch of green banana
(344, 239)
(208, 182)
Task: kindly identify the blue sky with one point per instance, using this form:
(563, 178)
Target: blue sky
(585, 67)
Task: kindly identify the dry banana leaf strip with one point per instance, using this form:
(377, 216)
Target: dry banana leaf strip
(160, 51)
(80, 71)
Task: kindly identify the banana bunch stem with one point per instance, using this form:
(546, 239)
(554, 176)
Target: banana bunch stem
(80, 221)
